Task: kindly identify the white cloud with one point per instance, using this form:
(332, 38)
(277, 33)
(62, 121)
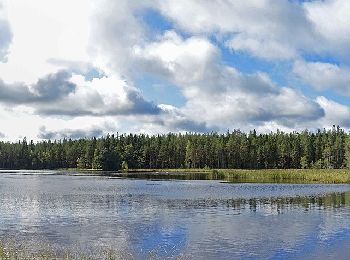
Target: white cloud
(21, 122)
(70, 133)
(115, 30)
(63, 94)
(220, 95)
(104, 45)
(44, 30)
(331, 20)
(264, 28)
(262, 48)
(59, 35)
(5, 34)
(101, 96)
(323, 76)
(335, 113)
(255, 17)
(181, 60)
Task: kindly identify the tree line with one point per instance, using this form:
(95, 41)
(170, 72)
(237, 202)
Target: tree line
(235, 149)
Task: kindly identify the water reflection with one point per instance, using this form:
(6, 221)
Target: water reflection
(194, 219)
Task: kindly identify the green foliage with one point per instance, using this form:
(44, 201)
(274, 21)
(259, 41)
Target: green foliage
(304, 163)
(125, 167)
(317, 164)
(189, 155)
(326, 149)
(81, 164)
(347, 152)
(97, 162)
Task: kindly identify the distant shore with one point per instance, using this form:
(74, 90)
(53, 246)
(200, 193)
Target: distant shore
(238, 175)
(327, 176)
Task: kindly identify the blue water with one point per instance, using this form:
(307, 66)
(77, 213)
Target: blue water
(170, 219)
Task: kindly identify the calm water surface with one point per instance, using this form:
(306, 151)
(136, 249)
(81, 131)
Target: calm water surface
(188, 219)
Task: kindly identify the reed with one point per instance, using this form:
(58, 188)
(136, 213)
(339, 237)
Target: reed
(288, 175)
(237, 175)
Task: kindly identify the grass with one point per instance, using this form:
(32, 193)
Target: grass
(237, 175)
(289, 175)
(240, 175)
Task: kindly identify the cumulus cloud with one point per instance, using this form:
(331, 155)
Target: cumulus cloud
(322, 76)
(330, 19)
(69, 133)
(219, 94)
(78, 67)
(264, 28)
(96, 75)
(47, 89)
(101, 97)
(114, 31)
(173, 119)
(71, 95)
(335, 113)
(260, 47)
(5, 34)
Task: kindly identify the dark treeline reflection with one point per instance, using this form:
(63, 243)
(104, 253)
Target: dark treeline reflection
(320, 149)
(334, 200)
(327, 201)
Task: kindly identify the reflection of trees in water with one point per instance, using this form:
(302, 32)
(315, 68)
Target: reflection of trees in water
(167, 175)
(334, 200)
(308, 202)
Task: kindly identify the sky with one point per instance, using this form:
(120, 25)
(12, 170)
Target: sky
(83, 68)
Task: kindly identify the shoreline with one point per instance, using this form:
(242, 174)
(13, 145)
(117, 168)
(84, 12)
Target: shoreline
(327, 176)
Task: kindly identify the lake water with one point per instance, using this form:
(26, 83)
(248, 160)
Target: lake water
(171, 219)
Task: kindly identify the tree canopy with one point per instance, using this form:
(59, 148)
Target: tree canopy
(236, 149)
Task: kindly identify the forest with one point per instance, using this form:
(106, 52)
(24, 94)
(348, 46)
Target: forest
(324, 149)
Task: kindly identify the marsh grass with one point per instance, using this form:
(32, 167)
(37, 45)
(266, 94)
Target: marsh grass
(288, 175)
(237, 175)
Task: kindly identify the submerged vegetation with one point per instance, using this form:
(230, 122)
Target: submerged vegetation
(323, 149)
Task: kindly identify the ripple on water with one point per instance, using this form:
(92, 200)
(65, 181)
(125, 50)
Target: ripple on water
(202, 219)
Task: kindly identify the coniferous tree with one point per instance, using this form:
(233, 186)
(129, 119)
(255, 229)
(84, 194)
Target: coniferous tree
(320, 149)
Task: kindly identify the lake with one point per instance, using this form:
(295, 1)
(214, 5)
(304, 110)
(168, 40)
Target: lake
(174, 218)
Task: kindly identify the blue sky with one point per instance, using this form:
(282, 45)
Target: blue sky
(172, 66)
(279, 71)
